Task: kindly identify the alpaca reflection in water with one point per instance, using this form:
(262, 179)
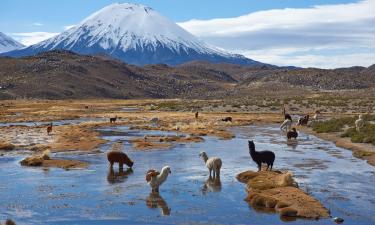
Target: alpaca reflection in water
(212, 185)
(154, 200)
(118, 177)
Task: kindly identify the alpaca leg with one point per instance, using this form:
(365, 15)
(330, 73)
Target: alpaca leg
(268, 165)
(259, 166)
(210, 173)
(214, 173)
(111, 164)
(271, 165)
(121, 165)
(218, 172)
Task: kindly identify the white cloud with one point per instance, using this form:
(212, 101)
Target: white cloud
(38, 24)
(321, 36)
(32, 37)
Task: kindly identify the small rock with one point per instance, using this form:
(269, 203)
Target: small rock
(338, 220)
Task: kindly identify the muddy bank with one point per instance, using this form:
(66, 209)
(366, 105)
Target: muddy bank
(150, 142)
(276, 190)
(44, 160)
(360, 150)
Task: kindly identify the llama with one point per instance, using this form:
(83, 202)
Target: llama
(213, 164)
(292, 134)
(196, 115)
(155, 179)
(226, 119)
(113, 119)
(285, 126)
(303, 120)
(261, 156)
(49, 129)
(359, 123)
(120, 158)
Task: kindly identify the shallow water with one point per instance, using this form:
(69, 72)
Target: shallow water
(97, 195)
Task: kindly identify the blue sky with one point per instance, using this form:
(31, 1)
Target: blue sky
(20, 15)
(308, 33)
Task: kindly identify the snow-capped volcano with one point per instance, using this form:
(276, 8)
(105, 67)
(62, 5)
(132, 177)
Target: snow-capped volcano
(8, 44)
(134, 34)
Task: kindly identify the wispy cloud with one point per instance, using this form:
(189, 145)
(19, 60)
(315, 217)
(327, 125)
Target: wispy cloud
(32, 37)
(38, 24)
(67, 27)
(321, 36)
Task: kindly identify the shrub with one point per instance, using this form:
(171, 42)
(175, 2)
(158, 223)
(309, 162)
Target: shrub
(333, 125)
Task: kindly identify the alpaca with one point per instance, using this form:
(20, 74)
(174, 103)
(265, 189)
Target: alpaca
(359, 123)
(49, 128)
(303, 120)
(261, 157)
(285, 126)
(226, 119)
(213, 164)
(292, 134)
(155, 179)
(287, 117)
(196, 115)
(113, 119)
(316, 116)
(120, 158)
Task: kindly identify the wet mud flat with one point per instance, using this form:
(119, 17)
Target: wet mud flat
(99, 195)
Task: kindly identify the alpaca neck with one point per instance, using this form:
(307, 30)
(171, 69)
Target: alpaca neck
(205, 158)
(163, 175)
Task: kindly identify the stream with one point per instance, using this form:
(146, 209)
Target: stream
(97, 195)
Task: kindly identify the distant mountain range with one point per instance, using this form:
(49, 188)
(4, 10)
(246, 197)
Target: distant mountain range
(8, 44)
(134, 34)
(67, 75)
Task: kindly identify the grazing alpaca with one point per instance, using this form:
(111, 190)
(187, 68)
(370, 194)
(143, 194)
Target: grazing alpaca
(213, 164)
(113, 119)
(292, 134)
(261, 157)
(155, 179)
(359, 123)
(303, 120)
(226, 119)
(285, 126)
(196, 115)
(49, 128)
(120, 158)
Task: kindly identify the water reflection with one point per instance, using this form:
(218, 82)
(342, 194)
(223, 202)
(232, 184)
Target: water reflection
(292, 143)
(211, 185)
(118, 177)
(154, 200)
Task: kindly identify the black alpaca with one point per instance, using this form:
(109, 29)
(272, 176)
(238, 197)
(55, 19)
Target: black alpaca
(113, 119)
(226, 119)
(288, 117)
(261, 157)
(292, 134)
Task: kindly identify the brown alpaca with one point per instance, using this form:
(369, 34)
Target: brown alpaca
(49, 128)
(292, 134)
(120, 158)
(113, 119)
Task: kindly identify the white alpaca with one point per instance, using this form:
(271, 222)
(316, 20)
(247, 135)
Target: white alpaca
(213, 164)
(155, 179)
(359, 123)
(286, 125)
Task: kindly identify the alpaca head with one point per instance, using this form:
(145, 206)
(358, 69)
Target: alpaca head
(251, 145)
(360, 116)
(203, 155)
(294, 129)
(166, 169)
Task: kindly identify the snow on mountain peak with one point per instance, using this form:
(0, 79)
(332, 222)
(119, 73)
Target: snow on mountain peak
(8, 44)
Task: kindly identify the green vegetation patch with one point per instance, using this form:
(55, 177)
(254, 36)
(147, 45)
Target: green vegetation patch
(333, 125)
(366, 134)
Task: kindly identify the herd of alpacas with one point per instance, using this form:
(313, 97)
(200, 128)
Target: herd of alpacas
(155, 178)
